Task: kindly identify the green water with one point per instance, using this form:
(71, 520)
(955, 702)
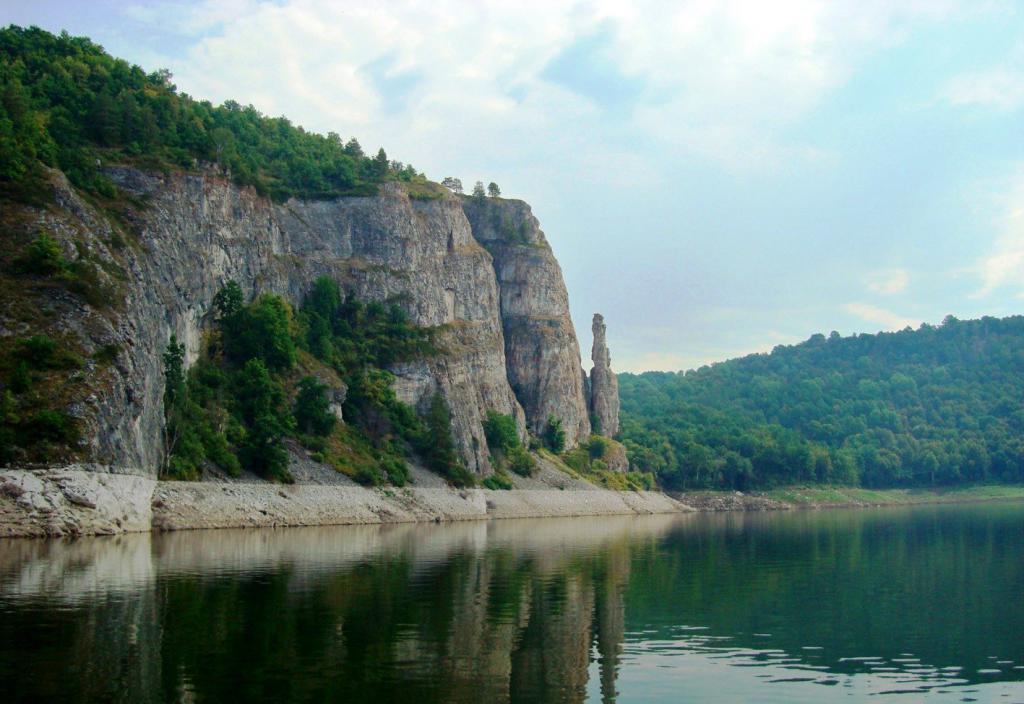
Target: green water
(842, 605)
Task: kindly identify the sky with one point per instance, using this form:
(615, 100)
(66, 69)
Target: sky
(715, 177)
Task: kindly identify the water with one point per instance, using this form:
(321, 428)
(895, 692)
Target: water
(888, 604)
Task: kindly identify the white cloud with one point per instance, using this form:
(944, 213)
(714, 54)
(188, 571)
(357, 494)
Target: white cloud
(878, 316)
(1000, 88)
(888, 282)
(720, 81)
(1003, 264)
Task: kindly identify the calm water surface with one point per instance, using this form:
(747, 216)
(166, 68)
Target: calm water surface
(878, 605)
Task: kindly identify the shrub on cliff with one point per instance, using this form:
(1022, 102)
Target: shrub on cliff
(501, 432)
(438, 448)
(554, 435)
(507, 450)
(42, 257)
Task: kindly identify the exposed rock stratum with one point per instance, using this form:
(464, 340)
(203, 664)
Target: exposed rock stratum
(480, 268)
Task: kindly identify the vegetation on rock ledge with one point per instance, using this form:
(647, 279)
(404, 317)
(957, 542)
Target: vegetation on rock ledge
(267, 374)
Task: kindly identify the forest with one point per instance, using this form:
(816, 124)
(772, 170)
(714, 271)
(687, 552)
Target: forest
(935, 406)
(269, 375)
(66, 103)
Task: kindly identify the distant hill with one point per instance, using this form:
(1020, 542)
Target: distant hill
(937, 405)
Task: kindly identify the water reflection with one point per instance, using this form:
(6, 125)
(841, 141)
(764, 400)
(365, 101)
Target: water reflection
(805, 606)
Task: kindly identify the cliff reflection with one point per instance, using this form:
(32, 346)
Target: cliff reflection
(494, 612)
(815, 606)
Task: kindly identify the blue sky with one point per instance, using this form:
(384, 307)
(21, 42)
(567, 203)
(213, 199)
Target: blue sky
(715, 177)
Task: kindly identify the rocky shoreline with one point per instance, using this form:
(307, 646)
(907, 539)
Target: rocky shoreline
(76, 501)
(84, 500)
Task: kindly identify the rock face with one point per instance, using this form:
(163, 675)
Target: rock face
(604, 386)
(541, 352)
(481, 269)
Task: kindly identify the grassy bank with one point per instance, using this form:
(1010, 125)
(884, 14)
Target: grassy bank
(829, 496)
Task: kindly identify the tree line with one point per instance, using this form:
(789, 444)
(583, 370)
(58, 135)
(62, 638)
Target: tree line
(65, 102)
(939, 405)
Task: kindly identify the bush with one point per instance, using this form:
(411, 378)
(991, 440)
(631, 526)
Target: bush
(506, 448)
(20, 380)
(396, 469)
(368, 476)
(521, 463)
(43, 352)
(107, 354)
(263, 450)
(42, 257)
(554, 435)
(501, 432)
(50, 426)
(498, 481)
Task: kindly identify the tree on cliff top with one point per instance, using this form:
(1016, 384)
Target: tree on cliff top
(66, 103)
(453, 184)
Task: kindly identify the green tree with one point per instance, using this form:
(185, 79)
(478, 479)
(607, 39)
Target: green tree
(501, 432)
(554, 435)
(353, 149)
(228, 301)
(223, 141)
(452, 184)
(380, 164)
(492, 190)
(438, 446)
(312, 408)
(259, 402)
(262, 331)
(182, 447)
(174, 372)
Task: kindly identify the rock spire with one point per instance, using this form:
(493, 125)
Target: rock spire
(604, 387)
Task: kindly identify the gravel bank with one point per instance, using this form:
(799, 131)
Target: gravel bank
(81, 501)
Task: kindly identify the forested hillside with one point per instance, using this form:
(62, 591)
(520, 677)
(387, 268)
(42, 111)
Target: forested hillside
(937, 405)
(66, 103)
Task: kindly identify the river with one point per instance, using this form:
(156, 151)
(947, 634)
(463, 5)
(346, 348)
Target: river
(805, 606)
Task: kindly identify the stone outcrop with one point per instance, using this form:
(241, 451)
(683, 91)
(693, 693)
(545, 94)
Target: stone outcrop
(480, 269)
(74, 500)
(604, 386)
(82, 500)
(541, 351)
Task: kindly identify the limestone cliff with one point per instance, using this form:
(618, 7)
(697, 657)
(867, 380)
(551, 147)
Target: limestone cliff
(541, 351)
(481, 269)
(604, 386)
